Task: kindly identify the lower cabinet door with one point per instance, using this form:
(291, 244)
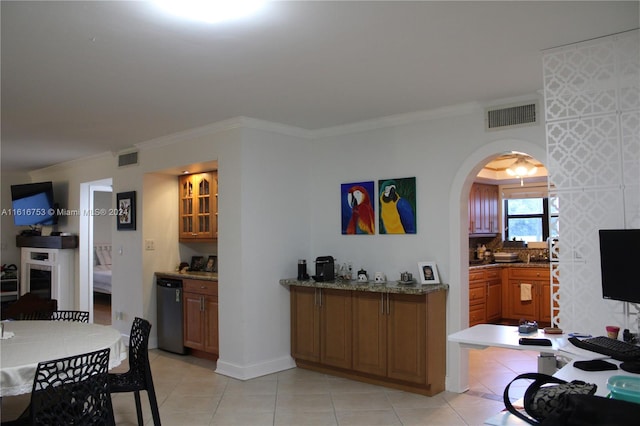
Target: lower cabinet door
(406, 338)
(211, 325)
(369, 333)
(522, 309)
(494, 300)
(305, 324)
(193, 314)
(335, 328)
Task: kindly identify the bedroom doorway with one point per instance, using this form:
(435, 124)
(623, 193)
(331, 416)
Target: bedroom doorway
(95, 250)
(102, 224)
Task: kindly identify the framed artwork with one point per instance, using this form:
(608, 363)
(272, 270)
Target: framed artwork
(428, 273)
(397, 213)
(210, 266)
(197, 263)
(358, 212)
(126, 208)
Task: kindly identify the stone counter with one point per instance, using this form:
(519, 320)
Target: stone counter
(205, 276)
(388, 287)
(510, 265)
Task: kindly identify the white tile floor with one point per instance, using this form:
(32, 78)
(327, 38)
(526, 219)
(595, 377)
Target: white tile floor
(189, 392)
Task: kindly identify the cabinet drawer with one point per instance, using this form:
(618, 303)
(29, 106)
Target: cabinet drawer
(529, 273)
(476, 294)
(494, 273)
(477, 315)
(209, 288)
(476, 276)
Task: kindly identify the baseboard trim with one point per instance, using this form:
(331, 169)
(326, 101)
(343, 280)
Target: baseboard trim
(255, 370)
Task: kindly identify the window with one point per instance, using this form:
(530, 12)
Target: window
(530, 219)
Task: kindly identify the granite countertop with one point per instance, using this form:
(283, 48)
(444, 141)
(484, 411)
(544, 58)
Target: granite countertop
(191, 275)
(388, 287)
(510, 265)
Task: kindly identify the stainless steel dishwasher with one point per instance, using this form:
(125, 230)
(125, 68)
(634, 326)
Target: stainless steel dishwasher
(170, 315)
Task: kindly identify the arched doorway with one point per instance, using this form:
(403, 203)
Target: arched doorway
(458, 309)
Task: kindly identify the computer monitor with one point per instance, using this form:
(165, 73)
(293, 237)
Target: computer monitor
(619, 254)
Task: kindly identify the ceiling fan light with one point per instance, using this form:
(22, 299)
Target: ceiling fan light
(521, 168)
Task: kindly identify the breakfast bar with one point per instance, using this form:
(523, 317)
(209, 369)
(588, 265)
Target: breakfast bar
(388, 334)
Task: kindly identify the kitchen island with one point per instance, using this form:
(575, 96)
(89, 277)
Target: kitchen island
(386, 334)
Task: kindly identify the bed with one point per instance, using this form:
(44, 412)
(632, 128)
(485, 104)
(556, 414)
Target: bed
(102, 268)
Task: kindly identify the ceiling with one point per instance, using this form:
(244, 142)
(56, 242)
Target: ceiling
(84, 77)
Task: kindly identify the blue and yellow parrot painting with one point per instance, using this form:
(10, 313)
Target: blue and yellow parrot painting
(397, 214)
(359, 211)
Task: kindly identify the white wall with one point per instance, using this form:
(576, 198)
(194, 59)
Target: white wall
(9, 253)
(279, 201)
(103, 224)
(444, 152)
(271, 195)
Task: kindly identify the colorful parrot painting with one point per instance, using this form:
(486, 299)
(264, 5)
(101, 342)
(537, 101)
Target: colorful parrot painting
(358, 215)
(397, 214)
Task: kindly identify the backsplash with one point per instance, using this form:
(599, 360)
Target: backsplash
(495, 244)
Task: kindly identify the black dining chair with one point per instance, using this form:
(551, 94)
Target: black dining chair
(72, 390)
(30, 306)
(75, 316)
(138, 378)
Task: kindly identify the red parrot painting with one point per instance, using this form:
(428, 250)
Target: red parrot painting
(362, 220)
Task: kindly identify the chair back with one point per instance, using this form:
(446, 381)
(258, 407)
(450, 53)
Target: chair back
(73, 390)
(139, 366)
(77, 316)
(30, 307)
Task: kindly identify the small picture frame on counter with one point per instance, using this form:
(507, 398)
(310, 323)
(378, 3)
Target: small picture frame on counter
(428, 273)
(211, 264)
(197, 263)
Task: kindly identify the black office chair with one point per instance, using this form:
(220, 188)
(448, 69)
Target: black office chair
(72, 390)
(138, 378)
(77, 316)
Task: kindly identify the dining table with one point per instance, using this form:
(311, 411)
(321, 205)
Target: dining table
(24, 344)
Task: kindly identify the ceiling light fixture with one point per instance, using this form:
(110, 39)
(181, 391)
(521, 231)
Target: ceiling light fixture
(211, 11)
(521, 169)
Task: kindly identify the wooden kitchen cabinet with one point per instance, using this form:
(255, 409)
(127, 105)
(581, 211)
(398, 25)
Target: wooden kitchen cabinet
(201, 316)
(477, 298)
(485, 295)
(539, 307)
(198, 207)
(483, 209)
(321, 326)
(384, 338)
(389, 336)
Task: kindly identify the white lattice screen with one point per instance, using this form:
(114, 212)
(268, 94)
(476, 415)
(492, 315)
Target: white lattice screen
(592, 112)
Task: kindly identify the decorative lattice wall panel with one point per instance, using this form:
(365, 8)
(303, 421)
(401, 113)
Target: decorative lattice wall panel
(592, 112)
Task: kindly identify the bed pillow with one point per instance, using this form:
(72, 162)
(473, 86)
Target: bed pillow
(106, 252)
(100, 254)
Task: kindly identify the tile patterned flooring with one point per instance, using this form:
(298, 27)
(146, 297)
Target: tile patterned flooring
(189, 392)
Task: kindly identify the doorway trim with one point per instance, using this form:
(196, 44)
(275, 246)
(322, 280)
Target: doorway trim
(458, 310)
(85, 291)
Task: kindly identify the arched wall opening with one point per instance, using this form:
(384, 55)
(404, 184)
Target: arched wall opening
(458, 312)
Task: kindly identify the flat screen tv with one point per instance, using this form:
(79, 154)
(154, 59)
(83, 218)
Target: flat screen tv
(619, 255)
(32, 204)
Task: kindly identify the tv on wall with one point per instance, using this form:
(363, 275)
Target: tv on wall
(32, 204)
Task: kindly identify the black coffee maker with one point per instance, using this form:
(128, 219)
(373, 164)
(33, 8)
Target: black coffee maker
(324, 269)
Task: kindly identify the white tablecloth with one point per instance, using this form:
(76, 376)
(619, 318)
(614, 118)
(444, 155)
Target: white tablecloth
(37, 341)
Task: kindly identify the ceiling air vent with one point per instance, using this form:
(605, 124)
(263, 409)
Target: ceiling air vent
(128, 159)
(511, 116)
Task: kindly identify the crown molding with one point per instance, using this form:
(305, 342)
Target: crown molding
(398, 120)
(239, 122)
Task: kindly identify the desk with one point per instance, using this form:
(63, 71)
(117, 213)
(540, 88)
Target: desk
(482, 336)
(36, 341)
